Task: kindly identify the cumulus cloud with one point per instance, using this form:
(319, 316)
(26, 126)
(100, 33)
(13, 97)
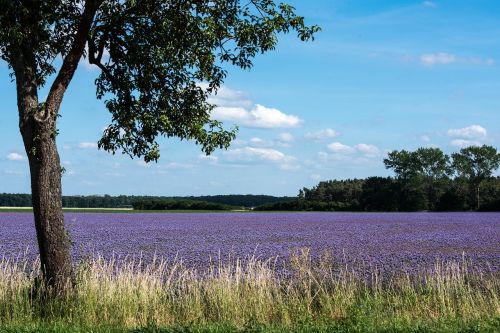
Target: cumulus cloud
(322, 135)
(367, 149)
(15, 157)
(235, 106)
(256, 141)
(337, 147)
(87, 145)
(462, 143)
(259, 116)
(249, 154)
(467, 136)
(227, 97)
(341, 151)
(470, 132)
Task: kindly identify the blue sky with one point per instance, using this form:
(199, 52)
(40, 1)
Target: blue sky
(382, 75)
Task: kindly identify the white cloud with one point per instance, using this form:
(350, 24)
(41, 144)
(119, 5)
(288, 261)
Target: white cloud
(470, 132)
(367, 149)
(249, 154)
(235, 106)
(256, 141)
(209, 158)
(441, 58)
(462, 143)
(337, 147)
(342, 152)
(260, 117)
(87, 145)
(227, 97)
(430, 4)
(286, 137)
(15, 157)
(322, 135)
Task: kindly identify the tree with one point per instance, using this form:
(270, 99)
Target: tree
(159, 61)
(428, 162)
(379, 194)
(434, 167)
(476, 164)
(432, 163)
(425, 166)
(404, 163)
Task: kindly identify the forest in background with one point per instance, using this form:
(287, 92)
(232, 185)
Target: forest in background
(425, 180)
(148, 202)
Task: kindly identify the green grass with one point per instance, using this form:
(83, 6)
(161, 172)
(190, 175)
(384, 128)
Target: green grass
(250, 296)
(487, 326)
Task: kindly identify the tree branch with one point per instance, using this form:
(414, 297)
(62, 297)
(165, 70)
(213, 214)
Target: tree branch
(70, 62)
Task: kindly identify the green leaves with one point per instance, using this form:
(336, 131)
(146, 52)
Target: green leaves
(153, 56)
(429, 162)
(160, 52)
(476, 163)
(46, 28)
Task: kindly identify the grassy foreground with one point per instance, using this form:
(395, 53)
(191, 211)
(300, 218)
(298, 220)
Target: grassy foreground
(251, 296)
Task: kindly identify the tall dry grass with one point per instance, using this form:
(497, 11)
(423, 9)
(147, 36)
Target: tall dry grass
(242, 293)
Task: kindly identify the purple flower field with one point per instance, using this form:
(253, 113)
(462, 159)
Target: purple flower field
(390, 241)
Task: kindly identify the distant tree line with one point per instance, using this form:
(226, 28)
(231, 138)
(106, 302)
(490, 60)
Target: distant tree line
(172, 204)
(425, 180)
(107, 201)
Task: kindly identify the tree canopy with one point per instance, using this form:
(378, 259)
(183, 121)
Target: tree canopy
(159, 60)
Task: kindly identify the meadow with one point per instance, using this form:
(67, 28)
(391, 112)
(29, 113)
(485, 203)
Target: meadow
(310, 272)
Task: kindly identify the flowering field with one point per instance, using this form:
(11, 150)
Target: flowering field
(406, 241)
(442, 292)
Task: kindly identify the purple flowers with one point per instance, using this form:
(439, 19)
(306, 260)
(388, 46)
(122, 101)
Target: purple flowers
(388, 241)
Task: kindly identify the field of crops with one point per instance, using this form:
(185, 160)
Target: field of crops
(408, 241)
(419, 273)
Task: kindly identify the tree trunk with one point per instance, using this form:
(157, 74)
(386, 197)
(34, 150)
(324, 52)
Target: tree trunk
(37, 123)
(478, 197)
(45, 168)
(53, 240)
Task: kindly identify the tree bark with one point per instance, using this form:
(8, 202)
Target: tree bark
(40, 145)
(53, 240)
(37, 123)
